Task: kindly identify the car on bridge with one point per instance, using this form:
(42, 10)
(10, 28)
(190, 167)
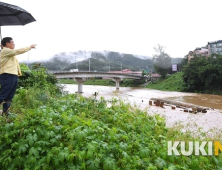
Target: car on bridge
(73, 70)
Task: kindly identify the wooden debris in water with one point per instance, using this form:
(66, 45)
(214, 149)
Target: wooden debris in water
(194, 108)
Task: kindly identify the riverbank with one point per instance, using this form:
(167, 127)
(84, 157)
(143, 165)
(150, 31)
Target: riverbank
(200, 123)
(173, 82)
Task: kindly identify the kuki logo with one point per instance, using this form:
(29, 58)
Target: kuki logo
(194, 148)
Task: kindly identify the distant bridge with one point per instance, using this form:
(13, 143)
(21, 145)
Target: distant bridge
(81, 77)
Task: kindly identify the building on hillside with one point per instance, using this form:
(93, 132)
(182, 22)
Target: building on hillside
(215, 47)
(203, 51)
(154, 75)
(128, 71)
(125, 71)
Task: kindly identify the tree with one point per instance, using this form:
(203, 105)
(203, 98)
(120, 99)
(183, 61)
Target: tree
(184, 61)
(204, 74)
(161, 61)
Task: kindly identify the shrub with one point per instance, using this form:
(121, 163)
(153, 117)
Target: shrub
(72, 132)
(38, 77)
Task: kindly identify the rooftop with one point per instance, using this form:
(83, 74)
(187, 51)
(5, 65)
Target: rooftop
(215, 42)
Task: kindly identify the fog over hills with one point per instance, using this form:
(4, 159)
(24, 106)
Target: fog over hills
(100, 61)
(83, 55)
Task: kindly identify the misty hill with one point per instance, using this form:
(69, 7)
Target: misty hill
(176, 60)
(81, 55)
(100, 61)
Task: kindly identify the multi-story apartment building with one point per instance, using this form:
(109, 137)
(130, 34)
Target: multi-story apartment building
(215, 47)
(211, 47)
(203, 51)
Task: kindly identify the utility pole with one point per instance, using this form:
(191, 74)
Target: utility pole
(89, 60)
(76, 62)
(121, 66)
(89, 64)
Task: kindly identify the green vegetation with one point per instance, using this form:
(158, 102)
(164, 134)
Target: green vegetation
(66, 81)
(204, 74)
(106, 82)
(171, 83)
(101, 82)
(55, 131)
(200, 75)
(38, 77)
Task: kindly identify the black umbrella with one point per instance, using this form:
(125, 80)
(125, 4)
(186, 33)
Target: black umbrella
(13, 15)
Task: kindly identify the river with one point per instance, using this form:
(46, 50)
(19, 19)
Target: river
(209, 122)
(138, 94)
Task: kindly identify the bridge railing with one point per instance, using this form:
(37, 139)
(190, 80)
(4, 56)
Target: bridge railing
(97, 72)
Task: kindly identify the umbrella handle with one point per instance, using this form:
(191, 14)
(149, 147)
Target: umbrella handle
(0, 34)
(1, 39)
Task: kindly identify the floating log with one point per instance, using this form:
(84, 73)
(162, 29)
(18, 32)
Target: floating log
(161, 104)
(150, 102)
(204, 111)
(194, 109)
(185, 106)
(199, 109)
(158, 103)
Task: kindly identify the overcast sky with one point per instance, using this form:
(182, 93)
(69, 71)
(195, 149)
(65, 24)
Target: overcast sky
(126, 26)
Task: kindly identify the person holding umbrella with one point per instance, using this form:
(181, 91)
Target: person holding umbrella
(9, 71)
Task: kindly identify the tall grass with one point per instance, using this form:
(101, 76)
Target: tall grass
(171, 83)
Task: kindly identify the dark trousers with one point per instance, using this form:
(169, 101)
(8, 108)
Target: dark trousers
(9, 84)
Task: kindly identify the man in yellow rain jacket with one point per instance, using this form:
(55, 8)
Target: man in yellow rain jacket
(9, 71)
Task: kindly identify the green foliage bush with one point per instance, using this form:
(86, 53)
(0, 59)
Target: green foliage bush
(38, 77)
(101, 82)
(67, 81)
(72, 132)
(204, 74)
(200, 75)
(30, 99)
(173, 82)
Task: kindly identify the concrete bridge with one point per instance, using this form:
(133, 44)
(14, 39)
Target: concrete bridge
(81, 77)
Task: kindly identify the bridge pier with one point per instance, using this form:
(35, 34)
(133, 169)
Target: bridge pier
(117, 80)
(81, 77)
(79, 81)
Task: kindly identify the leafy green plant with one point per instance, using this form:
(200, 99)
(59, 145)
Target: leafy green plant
(38, 77)
(204, 74)
(173, 82)
(72, 132)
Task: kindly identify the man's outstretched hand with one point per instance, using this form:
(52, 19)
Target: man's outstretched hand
(33, 46)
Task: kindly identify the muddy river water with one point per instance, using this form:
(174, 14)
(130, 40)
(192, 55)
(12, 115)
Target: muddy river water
(139, 94)
(209, 122)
